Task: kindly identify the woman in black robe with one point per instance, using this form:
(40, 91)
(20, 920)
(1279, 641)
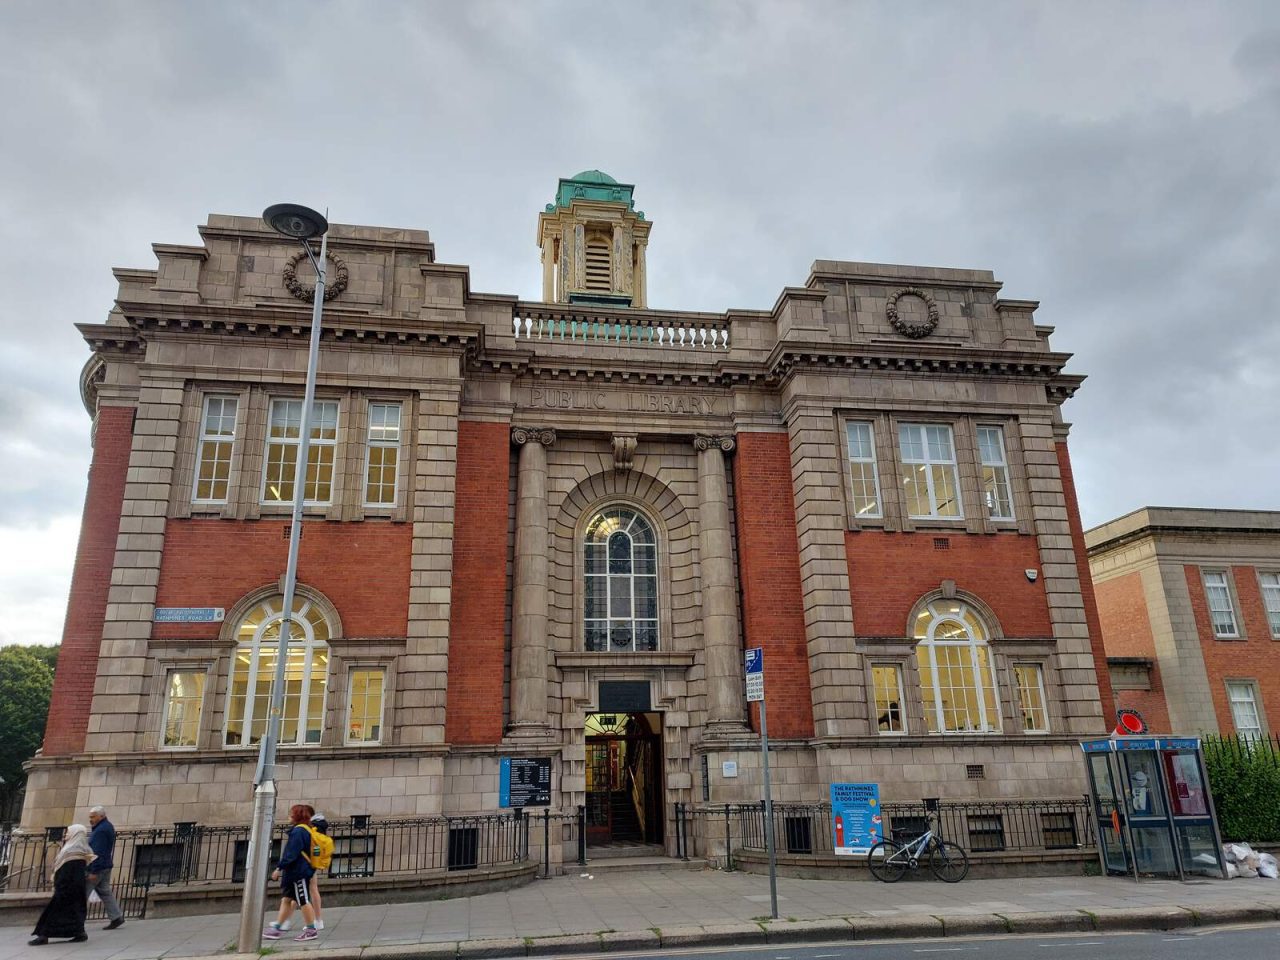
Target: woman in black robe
(64, 916)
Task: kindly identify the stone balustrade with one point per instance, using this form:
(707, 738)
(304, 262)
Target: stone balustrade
(579, 326)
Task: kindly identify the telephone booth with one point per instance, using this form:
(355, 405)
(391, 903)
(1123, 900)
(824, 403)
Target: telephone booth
(1152, 808)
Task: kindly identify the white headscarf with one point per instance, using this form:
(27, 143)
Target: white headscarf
(75, 847)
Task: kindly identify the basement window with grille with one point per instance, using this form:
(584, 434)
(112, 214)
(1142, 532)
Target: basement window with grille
(986, 832)
(975, 771)
(941, 543)
(1059, 831)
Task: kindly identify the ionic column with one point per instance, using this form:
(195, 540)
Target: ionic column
(529, 600)
(548, 269)
(719, 595)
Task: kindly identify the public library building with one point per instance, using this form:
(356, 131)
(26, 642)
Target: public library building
(549, 529)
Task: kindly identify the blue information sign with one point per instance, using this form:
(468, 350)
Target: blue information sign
(855, 817)
(524, 782)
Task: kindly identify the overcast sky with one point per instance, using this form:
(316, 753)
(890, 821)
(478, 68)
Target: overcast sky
(1115, 160)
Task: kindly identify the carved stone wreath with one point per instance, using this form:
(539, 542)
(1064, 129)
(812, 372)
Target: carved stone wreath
(337, 283)
(913, 329)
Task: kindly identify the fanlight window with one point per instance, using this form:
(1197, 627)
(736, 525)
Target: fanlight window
(306, 671)
(956, 680)
(620, 564)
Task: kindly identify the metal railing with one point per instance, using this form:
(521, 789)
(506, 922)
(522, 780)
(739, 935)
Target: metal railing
(583, 324)
(980, 827)
(190, 853)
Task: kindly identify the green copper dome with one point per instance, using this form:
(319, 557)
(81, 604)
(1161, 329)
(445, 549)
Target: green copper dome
(593, 185)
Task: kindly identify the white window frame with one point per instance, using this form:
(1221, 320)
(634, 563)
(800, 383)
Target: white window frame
(1210, 590)
(1257, 729)
(207, 437)
(1039, 687)
(866, 460)
(609, 620)
(302, 639)
(201, 672)
(1270, 585)
(381, 671)
(902, 703)
(971, 641)
(998, 465)
(315, 445)
(383, 443)
(927, 460)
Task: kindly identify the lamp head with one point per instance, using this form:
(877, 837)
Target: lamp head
(295, 221)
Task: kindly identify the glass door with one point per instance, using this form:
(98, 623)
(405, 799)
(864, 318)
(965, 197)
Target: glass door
(1108, 814)
(1148, 816)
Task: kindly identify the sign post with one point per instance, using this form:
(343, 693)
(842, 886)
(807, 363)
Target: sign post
(755, 694)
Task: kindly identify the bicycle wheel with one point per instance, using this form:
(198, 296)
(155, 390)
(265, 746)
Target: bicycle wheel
(948, 861)
(886, 862)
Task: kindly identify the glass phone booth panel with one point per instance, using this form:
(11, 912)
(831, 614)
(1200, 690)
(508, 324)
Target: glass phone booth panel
(1112, 850)
(1148, 817)
(1191, 807)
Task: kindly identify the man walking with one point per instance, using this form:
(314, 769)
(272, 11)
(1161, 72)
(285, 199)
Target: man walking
(102, 839)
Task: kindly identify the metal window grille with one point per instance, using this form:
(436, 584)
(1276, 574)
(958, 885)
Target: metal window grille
(354, 856)
(986, 832)
(1059, 831)
(799, 831)
(975, 771)
(157, 863)
(241, 855)
(464, 847)
(904, 828)
(941, 543)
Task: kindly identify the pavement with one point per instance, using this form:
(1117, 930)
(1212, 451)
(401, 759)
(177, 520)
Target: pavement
(637, 911)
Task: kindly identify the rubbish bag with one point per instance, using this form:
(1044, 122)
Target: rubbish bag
(1267, 867)
(1232, 870)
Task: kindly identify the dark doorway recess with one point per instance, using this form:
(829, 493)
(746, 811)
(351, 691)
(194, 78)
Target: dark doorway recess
(624, 779)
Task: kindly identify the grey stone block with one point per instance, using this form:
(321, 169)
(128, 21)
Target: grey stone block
(729, 935)
(492, 948)
(970, 924)
(1047, 922)
(569, 943)
(808, 931)
(894, 928)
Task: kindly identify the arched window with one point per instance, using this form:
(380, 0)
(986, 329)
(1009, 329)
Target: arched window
(254, 664)
(620, 563)
(956, 680)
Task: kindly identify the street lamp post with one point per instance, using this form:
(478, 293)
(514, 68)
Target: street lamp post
(301, 224)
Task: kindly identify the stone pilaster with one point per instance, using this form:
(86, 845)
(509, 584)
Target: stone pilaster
(529, 597)
(639, 299)
(548, 269)
(721, 639)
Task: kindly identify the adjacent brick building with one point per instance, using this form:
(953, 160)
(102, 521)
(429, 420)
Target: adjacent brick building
(550, 529)
(1190, 607)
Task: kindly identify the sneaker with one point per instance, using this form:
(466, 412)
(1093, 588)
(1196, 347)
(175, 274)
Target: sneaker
(286, 926)
(115, 924)
(308, 933)
(272, 932)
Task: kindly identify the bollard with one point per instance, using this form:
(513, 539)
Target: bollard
(582, 836)
(546, 843)
(728, 840)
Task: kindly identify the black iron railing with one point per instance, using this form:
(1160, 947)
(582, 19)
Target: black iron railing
(981, 827)
(189, 853)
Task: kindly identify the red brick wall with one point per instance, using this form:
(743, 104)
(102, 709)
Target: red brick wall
(1126, 630)
(90, 582)
(477, 629)
(1255, 656)
(1086, 587)
(769, 571)
(363, 568)
(889, 572)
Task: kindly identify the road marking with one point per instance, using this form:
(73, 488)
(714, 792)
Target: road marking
(942, 949)
(1171, 939)
(1086, 943)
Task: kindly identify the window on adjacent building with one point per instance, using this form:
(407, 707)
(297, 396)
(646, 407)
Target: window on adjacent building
(957, 683)
(995, 473)
(620, 563)
(929, 470)
(253, 667)
(865, 489)
(213, 453)
(183, 703)
(284, 432)
(1221, 611)
(1243, 697)
(365, 695)
(1031, 699)
(1271, 600)
(886, 681)
(382, 462)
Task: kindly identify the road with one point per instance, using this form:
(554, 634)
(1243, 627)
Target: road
(1248, 943)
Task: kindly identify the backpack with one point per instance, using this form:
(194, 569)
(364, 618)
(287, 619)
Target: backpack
(320, 852)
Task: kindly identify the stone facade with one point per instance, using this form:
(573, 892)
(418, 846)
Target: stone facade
(1161, 574)
(520, 426)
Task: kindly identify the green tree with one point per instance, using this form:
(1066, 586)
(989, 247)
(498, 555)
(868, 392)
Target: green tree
(26, 683)
(47, 652)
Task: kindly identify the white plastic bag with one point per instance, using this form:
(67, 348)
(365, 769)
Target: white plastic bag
(1238, 851)
(93, 897)
(1267, 867)
(1232, 871)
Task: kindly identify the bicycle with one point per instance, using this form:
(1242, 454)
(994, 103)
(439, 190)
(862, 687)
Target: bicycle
(889, 860)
